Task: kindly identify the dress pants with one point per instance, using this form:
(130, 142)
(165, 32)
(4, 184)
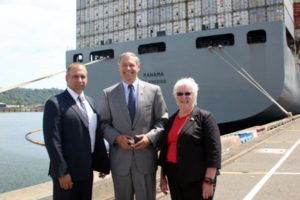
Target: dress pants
(81, 190)
(180, 188)
(142, 185)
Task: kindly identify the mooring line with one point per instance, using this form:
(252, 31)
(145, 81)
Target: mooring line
(248, 77)
(34, 141)
(43, 77)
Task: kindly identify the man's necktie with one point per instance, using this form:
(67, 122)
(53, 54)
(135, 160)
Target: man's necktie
(131, 102)
(84, 110)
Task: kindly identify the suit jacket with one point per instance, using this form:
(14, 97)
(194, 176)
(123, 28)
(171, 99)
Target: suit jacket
(198, 145)
(68, 142)
(150, 116)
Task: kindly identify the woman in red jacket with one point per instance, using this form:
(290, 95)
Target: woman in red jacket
(190, 147)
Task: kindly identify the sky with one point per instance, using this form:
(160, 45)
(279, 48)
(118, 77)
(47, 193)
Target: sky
(34, 37)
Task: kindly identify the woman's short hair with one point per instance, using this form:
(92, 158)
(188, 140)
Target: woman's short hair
(190, 83)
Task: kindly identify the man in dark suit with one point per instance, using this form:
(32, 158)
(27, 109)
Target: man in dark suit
(73, 140)
(133, 110)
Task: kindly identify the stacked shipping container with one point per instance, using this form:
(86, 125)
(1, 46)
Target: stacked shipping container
(102, 22)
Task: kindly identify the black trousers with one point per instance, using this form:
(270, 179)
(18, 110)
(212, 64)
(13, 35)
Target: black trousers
(180, 188)
(81, 190)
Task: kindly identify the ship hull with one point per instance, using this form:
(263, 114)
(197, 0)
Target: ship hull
(222, 90)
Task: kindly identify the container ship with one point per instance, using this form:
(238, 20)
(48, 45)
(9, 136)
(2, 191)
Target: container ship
(242, 53)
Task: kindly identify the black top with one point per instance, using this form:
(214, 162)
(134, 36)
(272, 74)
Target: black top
(198, 145)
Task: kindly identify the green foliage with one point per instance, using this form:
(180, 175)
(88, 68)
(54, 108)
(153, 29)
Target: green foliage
(27, 97)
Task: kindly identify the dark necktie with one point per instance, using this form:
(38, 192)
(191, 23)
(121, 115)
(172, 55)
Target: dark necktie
(131, 102)
(84, 110)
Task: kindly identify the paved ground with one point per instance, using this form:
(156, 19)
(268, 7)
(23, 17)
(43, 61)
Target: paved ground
(267, 167)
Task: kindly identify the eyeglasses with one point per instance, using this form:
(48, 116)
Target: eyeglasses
(183, 93)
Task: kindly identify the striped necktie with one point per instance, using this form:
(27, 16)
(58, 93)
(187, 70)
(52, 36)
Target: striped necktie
(83, 106)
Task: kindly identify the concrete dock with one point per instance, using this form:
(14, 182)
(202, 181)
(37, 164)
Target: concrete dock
(258, 163)
(268, 168)
(23, 109)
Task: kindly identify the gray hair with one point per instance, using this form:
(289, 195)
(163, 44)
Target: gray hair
(190, 83)
(75, 64)
(130, 54)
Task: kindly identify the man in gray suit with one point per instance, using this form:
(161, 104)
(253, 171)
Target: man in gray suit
(133, 113)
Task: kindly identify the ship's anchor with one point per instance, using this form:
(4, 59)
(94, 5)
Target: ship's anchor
(240, 70)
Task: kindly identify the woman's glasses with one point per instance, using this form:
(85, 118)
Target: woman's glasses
(183, 93)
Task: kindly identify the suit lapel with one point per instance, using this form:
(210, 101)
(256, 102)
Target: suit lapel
(93, 106)
(169, 125)
(141, 102)
(190, 121)
(74, 106)
(120, 94)
(91, 103)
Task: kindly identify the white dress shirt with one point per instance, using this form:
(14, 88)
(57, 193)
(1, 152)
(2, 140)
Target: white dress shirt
(90, 113)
